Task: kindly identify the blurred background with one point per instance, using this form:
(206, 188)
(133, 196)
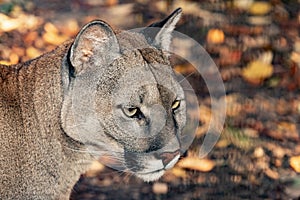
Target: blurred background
(256, 46)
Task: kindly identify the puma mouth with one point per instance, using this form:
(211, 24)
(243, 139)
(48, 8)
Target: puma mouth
(156, 174)
(151, 176)
(172, 162)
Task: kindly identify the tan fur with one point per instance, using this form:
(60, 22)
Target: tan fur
(34, 153)
(44, 139)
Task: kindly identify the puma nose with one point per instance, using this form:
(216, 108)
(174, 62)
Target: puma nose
(169, 159)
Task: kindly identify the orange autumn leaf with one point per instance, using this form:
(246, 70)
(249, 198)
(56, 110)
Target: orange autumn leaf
(215, 36)
(32, 52)
(295, 163)
(31, 37)
(13, 58)
(195, 163)
(179, 172)
(52, 35)
(53, 38)
(50, 28)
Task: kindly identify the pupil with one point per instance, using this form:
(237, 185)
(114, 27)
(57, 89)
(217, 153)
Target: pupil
(132, 110)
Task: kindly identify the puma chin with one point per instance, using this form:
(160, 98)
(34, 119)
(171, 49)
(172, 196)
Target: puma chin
(133, 109)
(154, 175)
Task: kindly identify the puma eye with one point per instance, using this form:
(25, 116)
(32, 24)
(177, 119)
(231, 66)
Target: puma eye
(130, 111)
(175, 104)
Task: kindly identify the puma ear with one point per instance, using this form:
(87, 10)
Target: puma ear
(159, 34)
(95, 45)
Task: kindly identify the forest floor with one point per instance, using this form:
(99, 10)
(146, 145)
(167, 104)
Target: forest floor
(256, 46)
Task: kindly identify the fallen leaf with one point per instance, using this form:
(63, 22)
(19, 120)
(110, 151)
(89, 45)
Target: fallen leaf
(258, 152)
(195, 163)
(251, 132)
(70, 28)
(22, 22)
(256, 71)
(53, 38)
(13, 58)
(278, 151)
(111, 2)
(229, 73)
(223, 143)
(32, 52)
(297, 149)
(288, 130)
(278, 162)
(4, 62)
(179, 172)
(230, 57)
(39, 43)
(242, 4)
(282, 131)
(50, 28)
(271, 173)
(202, 130)
(260, 20)
(205, 114)
(215, 36)
(52, 35)
(30, 37)
(295, 56)
(160, 188)
(295, 163)
(233, 106)
(19, 51)
(260, 8)
(184, 69)
(8, 24)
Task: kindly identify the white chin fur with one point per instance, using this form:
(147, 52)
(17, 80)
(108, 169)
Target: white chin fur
(151, 176)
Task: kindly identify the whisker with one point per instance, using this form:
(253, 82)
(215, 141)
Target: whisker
(186, 77)
(127, 176)
(83, 161)
(188, 89)
(75, 150)
(76, 125)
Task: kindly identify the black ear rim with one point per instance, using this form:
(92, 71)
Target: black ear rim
(152, 30)
(161, 23)
(71, 68)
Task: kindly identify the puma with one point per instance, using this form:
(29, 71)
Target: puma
(109, 95)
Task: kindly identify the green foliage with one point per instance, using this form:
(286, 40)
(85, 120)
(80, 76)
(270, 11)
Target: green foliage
(6, 8)
(238, 138)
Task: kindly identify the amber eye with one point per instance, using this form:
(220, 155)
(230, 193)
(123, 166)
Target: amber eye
(130, 111)
(175, 104)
